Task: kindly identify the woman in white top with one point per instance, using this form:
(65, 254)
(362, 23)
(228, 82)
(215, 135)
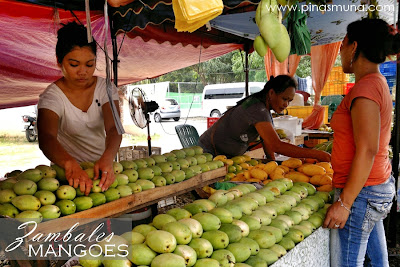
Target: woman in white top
(75, 123)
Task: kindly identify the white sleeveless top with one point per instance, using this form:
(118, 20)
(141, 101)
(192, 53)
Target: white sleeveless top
(82, 134)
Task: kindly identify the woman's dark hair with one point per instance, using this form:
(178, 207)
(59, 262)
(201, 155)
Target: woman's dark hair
(375, 39)
(279, 84)
(70, 35)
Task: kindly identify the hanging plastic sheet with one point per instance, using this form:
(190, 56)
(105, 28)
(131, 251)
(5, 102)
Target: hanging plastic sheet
(315, 119)
(193, 14)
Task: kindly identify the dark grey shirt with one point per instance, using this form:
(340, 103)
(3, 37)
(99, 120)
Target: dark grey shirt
(236, 128)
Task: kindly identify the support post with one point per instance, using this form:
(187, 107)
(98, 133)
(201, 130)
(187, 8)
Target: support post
(392, 218)
(246, 68)
(115, 59)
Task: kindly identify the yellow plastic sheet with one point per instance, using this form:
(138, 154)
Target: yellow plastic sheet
(193, 14)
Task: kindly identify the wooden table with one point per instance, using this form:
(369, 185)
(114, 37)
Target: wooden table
(315, 134)
(115, 209)
(259, 152)
(130, 203)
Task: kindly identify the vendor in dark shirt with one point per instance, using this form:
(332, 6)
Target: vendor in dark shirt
(251, 118)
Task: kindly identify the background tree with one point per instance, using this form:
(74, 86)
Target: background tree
(256, 67)
(224, 69)
(304, 68)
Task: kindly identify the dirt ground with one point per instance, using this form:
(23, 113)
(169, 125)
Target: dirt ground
(394, 253)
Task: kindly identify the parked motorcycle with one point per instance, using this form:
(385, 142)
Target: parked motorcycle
(31, 128)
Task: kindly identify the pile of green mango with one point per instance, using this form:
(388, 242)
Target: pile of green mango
(242, 226)
(325, 146)
(44, 193)
(273, 34)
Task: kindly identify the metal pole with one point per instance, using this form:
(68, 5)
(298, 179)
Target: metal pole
(246, 68)
(115, 58)
(115, 50)
(148, 133)
(392, 237)
(179, 93)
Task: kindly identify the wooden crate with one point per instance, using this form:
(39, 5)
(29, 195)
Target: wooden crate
(128, 153)
(143, 151)
(303, 112)
(136, 152)
(336, 83)
(130, 203)
(310, 143)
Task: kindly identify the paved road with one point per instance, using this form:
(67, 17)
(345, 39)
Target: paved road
(167, 138)
(11, 120)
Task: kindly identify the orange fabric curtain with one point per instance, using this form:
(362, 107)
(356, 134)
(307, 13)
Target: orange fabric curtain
(274, 67)
(322, 60)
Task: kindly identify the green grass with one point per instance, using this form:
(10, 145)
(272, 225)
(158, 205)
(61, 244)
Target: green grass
(16, 151)
(140, 138)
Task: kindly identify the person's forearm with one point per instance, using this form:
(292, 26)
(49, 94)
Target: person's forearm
(268, 152)
(113, 142)
(54, 151)
(359, 172)
(295, 151)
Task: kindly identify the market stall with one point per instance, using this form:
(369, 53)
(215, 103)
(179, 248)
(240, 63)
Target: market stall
(261, 198)
(131, 203)
(154, 43)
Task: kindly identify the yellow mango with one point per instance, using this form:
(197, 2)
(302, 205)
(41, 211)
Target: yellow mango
(315, 180)
(254, 180)
(326, 180)
(220, 157)
(284, 168)
(246, 175)
(259, 174)
(228, 162)
(297, 177)
(239, 178)
(266, 181)
(246, 157)
(321, 179)
(260, 166)
(208, 189)
(244, 165)
(326, 165)
(292, 163)
(238, 159)
(277, 174)
(300, 169)
(313, 169)
(270, 166)
(325, 188)
(312, 161)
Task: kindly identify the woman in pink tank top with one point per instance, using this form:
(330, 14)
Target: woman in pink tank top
(364, 187)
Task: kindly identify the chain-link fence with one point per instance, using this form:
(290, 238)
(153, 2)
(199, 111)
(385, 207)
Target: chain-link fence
(187, 94)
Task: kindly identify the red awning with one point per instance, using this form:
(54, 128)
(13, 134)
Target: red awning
(28, 61)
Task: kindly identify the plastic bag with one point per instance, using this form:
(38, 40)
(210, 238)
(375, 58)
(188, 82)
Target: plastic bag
(315, 119)
(224, 185)
(193, 14)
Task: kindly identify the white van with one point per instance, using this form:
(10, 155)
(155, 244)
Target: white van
(218, 97)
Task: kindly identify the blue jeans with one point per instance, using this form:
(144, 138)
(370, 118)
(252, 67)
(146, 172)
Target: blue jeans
(363, 234)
